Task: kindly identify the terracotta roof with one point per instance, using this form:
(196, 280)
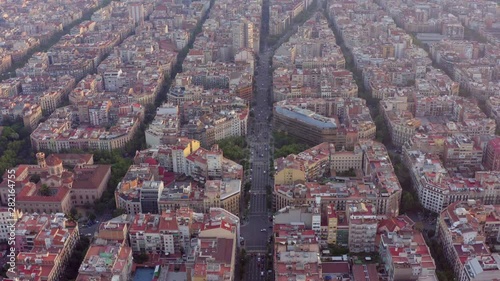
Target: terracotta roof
(90, 178)
(53, 160)
(335, 267)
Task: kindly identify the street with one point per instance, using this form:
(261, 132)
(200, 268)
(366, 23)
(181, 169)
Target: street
(256, 230)
(85, 230)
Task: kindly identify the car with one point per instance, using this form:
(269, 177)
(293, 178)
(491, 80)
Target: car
(262, 273)
(263, 230)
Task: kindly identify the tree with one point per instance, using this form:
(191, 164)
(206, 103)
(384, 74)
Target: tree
(35, 178)
(44, 190)
(141, 258)
(92, 216)
(419, 226)
(119, 212)
(234, 148)
(349, 173)
(407, 202)
(76, 259)
(336, 250)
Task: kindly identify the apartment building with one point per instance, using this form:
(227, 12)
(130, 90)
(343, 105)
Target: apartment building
(404, 252)
(379, 185)
(157, 234)
(165, 127)
(461, 152)
(217, 244)
(7, 219)
(107, 260)
(332, 223)
(492, 155)
(180, 175)
(445, 115)
(296, 251)
(58, 132)
(362, 227)
(437, 187)
(463, 228)
(225, 194)
(212, 127)
(44, 244)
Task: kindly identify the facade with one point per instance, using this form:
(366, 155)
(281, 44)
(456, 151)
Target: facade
(434, 115)
(171, 232)
(318, 161)
(217, 244)
(332, 224)
(462, 152)
(296, 252)
(58, 189)
(60, 131)
(44, 244)
(362, 228)
(319, 120)
(157, 234)
(438, 187)
(379, 186)
(404, 252)
(191, 176)
(463, 228)
(106, 260)
(165, 127)
(492, 155)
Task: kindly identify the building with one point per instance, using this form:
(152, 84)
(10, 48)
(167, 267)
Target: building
(150, 192)
(404, 252)
(106, 260)
(308, 126)
(55, 189)
(8, 218)
(362, 228)
(463, 229)
(296, 252)
(113, 231)
(184, 175)
(165, 127)
(170, 234)
(61, 132)
(341, 121)
(158, 234)
(492, 155)
(365, 272)
(212, 127)
(316, 162)
(462, 152)
(217, 244)
(224, 194)
(136, 12)
(304, 177)
(44, 244)
(332, 223)
(438, 187)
